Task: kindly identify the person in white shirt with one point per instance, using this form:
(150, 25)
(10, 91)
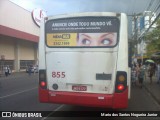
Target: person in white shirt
(6, 71)
(34, 69)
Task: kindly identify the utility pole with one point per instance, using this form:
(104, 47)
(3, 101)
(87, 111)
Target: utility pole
(135, 36)
(135, 31)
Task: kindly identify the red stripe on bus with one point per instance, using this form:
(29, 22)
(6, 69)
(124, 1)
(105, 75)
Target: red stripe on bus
(120, 100)
(43, 95)
(116, 100)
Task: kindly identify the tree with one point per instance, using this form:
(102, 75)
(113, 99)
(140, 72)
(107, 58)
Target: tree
(153, 39)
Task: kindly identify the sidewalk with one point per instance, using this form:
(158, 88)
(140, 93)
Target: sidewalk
(13, 73)
(153, 89)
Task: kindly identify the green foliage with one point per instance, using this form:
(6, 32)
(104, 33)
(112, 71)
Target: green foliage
(153, 39)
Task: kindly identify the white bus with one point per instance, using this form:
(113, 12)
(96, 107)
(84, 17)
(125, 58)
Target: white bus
(83, 60)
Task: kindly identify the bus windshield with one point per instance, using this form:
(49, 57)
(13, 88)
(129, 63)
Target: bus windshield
(90, 32)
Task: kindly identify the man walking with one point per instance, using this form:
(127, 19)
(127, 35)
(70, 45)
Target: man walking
(6, 71)
(141, 73)
(29, 70)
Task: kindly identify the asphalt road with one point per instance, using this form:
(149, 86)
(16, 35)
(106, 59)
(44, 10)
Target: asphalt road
(19, 92)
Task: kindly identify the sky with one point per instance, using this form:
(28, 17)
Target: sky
(55, 7)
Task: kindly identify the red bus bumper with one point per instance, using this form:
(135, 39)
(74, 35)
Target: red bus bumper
(115, 101)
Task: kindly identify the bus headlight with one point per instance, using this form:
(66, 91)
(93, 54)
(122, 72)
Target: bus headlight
(43, 84)
(42, 79)
(121, 78)
(120, 87)
(121, 81)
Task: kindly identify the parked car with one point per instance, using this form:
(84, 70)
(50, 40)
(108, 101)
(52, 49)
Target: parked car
(33, 68)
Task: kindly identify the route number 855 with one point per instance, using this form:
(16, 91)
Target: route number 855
(58, 74)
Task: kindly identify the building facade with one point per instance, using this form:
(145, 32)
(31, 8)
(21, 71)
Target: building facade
(19, 37)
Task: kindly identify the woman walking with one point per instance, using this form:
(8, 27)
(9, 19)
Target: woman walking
(151, 72)
(141, 76)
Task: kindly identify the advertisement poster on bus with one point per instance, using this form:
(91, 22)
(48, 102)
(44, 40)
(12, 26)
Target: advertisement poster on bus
(82, 32)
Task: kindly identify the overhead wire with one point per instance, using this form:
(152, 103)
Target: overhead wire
(150, 4)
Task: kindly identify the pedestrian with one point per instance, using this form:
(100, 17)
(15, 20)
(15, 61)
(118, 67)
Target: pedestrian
(6, 71)
(29, 70)
(133, 76)
(154, 69)
(9, 71)
(137, 71)
(158, 73)
(151, 72)
(34, 68)
(141, 74)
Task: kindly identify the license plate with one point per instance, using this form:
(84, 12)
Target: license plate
(79, 88)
